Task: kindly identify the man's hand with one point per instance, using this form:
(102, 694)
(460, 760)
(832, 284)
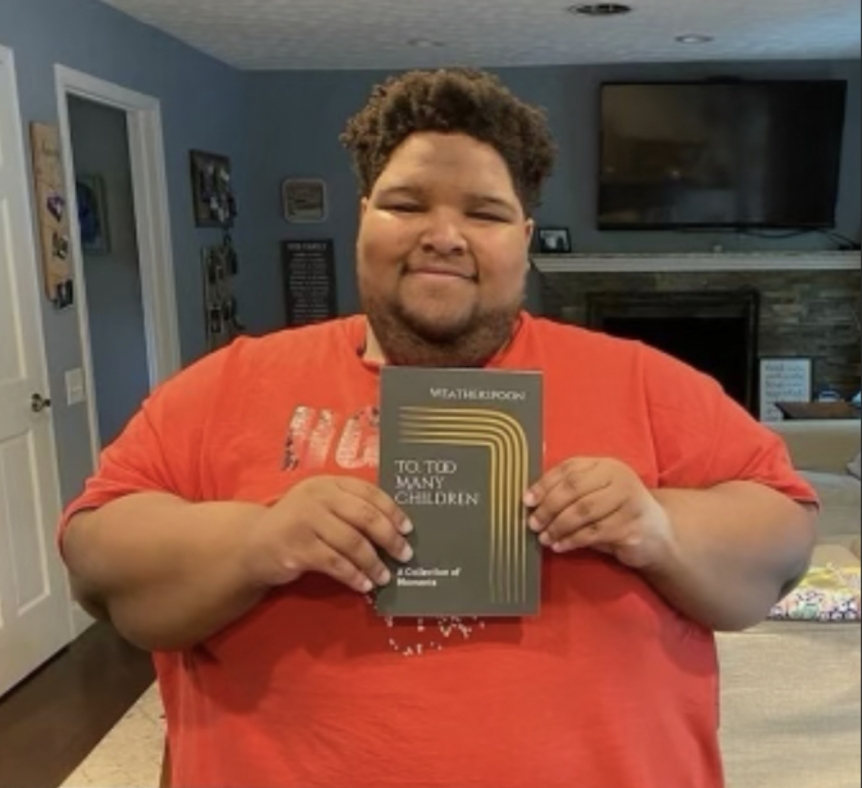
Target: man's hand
(599, 503)
(328, 524)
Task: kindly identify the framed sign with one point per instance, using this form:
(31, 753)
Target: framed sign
(52, 214)
(783, 380)
(309, 281)
(304, 199)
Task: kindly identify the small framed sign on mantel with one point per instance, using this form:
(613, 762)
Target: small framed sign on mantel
(783, 380)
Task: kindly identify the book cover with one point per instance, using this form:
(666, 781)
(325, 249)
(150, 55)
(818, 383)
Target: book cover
(458, 449)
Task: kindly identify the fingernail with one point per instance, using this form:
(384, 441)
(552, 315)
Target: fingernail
(529, 498)
(366, 585)
(384, 577)
(407, 553)
(558, 547)
(534, 523)
(545, 538)
(406, 527)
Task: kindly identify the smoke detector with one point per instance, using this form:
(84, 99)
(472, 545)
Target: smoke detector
(600, 9)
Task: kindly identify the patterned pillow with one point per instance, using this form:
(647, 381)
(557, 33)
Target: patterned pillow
(826, 593)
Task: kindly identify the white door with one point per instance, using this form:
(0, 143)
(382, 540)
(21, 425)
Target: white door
(35, 619)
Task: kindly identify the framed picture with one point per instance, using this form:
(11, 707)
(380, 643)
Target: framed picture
(304, 199)
(554, 240)
(92, 214)
(212, 190)
(783, 380)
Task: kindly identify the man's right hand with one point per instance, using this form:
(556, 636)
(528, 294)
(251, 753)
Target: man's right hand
(328, 524)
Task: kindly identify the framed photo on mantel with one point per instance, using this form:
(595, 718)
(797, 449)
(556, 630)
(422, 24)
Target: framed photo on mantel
(554, 240)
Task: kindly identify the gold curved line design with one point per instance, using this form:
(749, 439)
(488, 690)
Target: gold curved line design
(508, 546)
(509, 538)
(506, 530)
(506, 442)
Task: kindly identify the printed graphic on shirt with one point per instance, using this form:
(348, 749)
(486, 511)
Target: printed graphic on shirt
(319, 437)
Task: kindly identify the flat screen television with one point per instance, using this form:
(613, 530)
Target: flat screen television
(731, 154)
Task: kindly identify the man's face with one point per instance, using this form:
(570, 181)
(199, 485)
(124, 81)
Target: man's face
(442, 252)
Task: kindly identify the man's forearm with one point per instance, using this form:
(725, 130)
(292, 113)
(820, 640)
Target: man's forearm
(168, 573)
(735, 550)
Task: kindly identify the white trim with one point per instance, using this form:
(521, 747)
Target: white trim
(711, 261)
(9, 85)
(149, 184)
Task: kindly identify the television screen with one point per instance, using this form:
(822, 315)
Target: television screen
(720, 154)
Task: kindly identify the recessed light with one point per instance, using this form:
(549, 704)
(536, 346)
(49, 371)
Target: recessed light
(600, 9)
(424, 43)
(694, 38)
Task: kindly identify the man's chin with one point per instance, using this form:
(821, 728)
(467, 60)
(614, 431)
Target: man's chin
(438, 329)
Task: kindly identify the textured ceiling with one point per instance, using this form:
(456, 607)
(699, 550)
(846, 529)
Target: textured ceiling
(337, 34)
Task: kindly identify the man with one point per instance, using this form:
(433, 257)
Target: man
(235, 528)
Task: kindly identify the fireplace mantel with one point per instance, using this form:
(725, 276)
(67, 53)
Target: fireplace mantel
(699, 262)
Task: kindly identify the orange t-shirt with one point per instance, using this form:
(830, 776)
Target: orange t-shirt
(608, 687)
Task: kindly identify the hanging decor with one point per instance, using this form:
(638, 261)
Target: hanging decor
(52, 214)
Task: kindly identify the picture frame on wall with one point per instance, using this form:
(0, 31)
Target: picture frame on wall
(554, 240)
(212, 189)
(91, 196)
(304, 200)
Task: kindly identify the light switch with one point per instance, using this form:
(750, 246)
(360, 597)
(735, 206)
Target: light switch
(75, 392)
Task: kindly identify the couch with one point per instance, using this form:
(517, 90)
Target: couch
(790, 690)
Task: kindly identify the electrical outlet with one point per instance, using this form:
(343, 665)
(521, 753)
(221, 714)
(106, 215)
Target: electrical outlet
(75, 392)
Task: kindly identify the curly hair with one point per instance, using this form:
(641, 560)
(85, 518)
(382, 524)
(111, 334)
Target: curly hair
(452, 100)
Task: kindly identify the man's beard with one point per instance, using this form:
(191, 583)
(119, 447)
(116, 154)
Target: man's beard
(409, 341)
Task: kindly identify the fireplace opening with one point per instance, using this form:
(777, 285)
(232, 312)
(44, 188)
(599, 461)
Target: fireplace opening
(713, 332)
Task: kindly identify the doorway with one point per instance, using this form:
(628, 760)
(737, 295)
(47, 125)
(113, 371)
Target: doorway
(111, 140)
(110, 261)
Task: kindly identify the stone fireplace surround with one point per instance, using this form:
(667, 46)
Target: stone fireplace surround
(807, 303)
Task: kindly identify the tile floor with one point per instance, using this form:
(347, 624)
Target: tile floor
(130, 755)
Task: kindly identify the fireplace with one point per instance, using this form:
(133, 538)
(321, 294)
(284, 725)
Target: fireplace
(715, 332)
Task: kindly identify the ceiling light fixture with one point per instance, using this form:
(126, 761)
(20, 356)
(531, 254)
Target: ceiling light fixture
(693, 38)
(424, 43)
(600, 9)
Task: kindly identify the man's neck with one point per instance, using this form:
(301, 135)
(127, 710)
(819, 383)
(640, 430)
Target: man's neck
(372, 352)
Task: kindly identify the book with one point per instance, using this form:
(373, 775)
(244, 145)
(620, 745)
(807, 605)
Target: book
(458, 450)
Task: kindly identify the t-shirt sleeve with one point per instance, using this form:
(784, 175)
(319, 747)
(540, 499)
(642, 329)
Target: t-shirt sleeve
(703, 437)
(159, 450)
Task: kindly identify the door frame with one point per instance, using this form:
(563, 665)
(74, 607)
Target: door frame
(152, 224)
(28, 265)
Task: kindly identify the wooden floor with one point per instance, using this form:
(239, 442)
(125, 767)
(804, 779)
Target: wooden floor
(49, 723)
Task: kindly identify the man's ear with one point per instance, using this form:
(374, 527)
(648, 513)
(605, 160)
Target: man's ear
(529, 228)
(363, 206)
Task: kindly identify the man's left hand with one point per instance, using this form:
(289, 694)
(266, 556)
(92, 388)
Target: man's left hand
(599, 503)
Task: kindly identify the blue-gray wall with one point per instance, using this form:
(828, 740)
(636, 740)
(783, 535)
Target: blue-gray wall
(115, 309)
(298, 116)
(202, 107)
